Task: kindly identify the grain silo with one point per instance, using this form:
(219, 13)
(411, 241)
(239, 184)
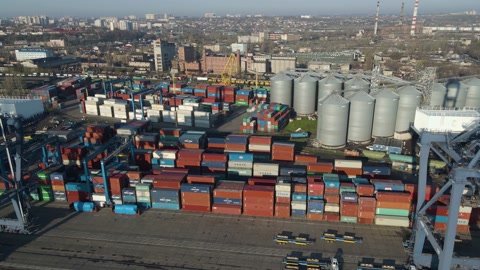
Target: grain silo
(329, 85)
(456, 94)
(360, 122)
(333, 121)
(438, 95)
(281, 89)
(305, 95)
(355, 84)
(410, 99)
(473, 93)
(385, 113)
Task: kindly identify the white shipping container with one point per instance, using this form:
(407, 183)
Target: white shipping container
(92, 102)
(454, 121)
(465, 209)
(98, 197)
(90, 98)
(266, 167)
(126, 131)
(193, 104)
(299, 205)
(332, 207)
(120, 114)
(204, 114)
(106, 114)
(392, 221)
(67, 162)
(283, 187)
(165, 154)
(145, 138)
(285, 194)
(159, 107)
(101, 96)
(240, 164)
(463, 221)
(260, 173)
(259, 147)
(352, 164)
(185, 108)
(154, 113)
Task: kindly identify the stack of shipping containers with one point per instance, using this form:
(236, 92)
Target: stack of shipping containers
(258, 200)
(228, 198)
(283, 195)
(240, 166)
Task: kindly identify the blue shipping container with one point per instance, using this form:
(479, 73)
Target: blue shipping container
(294, 171)
(240, 157)
(126, 209)
(166, 205)
(359, 180)
(214, 165)
(299, 197)
(57, 176)
(377, 170)
(72, 186)
(297, 212)
(389, 186)
(331, 184)
(314, 197)
(349, 197)
(196, 188)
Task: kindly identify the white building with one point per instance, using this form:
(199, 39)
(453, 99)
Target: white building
(98, 23)
(27, 54)
(164, 53)
(125, 25)
(21, 107)
(150, 16)
(242, 47)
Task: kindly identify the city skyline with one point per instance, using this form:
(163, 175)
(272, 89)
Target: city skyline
(197, 8)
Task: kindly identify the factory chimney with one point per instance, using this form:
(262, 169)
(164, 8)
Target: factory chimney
(414, 19)
(376, 19)
(401, 14)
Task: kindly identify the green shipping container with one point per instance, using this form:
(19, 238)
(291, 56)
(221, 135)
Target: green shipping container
(143, 199)
(392, 212)
(347, 189)
(241, 103)
(168, 138)
(315, 173)
(377, 155)
(44, 175)
(34, 196)
(143, 187)
(348, 219)
(2, 191)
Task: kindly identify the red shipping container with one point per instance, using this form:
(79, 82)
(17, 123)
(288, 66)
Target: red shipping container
(440, 226)
(332, 190)
(77, 196)
(438, 210)
(282, 156)
(262, 182)
(311, 216)
(349, 207)
(463, 228)
(413, 189)
(235, 147)
(258, 213)
(282, 210)
(392, 196)
(190, 154)
(191, 164)
(260, 191)
(228, 209)
(365, 190)
(201, 179)
(394, 205)
(283, 200)
(321, 167)
(349, 171)
(299, 188)
(215, 157)
(224, 193)
(264, 140)
(366, 214)
(305, 159)
(367, 201)
(362, 220)
(167, 183)
(330, 216)
(464, 215)
(331, 198)
(256, 200)
(196, 208)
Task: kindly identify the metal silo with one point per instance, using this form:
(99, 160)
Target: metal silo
(360, 122)
(438, 95)
(333, 121)
(355, 84)
(410, 99)
(305, 94)
(456, 94)
(473, 94)
(329, 85)
(385, 114)
(281, 89)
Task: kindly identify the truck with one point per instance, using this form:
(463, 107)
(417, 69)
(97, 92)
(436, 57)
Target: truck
(286, 239)
(370, 266)
(291, 262)
(332, 237)
(297, 135)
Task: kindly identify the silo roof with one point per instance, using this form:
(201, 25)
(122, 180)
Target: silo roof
(330, 79)
(335, 99)
(361, 96)
(386, 94)
(473, 82)
(305, 78)
(409, 90)
(281, 77)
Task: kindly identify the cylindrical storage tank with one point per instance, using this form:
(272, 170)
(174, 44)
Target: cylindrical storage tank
(305, 94)
(456, 94)
(385, 114)
(281, 89)
(438, 95)
(410, 99)
(360, 122)
(473, 93)
(329, 85)
(356, 83)
(333, 121)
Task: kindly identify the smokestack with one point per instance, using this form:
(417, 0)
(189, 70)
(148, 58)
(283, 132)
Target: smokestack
(414, 20)
(401, 14)
(376, 19)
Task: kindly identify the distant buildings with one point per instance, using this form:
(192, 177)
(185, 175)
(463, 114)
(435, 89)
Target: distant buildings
(210, 15)
(28, 54)
(163, 54)
(150, 16)
(242, 47)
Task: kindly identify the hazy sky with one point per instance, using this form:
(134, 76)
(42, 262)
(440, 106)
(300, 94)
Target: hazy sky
(120, 8)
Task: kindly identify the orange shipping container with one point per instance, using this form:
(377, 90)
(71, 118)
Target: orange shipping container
(365, 190)
(363, 220)
(331, 198)
(201, 179)
(330, 216)
(305, 159)
(394, 205)
(227, 209)
(311, 216)
(392, 196)
(232, 194)
(321, 167)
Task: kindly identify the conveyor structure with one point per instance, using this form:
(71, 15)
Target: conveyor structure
(108, 85)
(461, 151)
(140, 94)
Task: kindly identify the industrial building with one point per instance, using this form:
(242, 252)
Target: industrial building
(28, 54)
(27, 108)
(164, 53)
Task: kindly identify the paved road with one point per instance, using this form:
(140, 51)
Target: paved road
(160, 239)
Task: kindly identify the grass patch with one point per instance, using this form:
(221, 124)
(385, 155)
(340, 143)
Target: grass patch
(305, 124)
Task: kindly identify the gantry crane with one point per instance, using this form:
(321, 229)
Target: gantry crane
(230, 69)
(461, 151)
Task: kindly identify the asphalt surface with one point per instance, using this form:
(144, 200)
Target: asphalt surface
(161, 239)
